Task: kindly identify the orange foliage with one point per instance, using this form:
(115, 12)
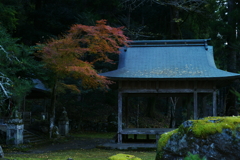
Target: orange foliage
(65, 56)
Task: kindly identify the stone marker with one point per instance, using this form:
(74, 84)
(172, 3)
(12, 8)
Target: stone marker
(1, 152)
(63, 124)
(55, 132)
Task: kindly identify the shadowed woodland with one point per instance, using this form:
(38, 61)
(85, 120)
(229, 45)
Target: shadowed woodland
(26, 27)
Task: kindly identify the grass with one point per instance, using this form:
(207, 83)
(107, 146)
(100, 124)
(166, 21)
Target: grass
(93, 154)
(82, 154)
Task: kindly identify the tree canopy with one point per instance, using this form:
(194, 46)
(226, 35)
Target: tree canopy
(77, 53)
(74, 54)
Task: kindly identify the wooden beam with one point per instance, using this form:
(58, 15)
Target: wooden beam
(139, 90)
(166, 90)
(215, 103)
(195, 105)
(146, 131)
(119, 117)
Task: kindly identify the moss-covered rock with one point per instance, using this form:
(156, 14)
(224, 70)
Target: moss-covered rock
(213, 137)
(123, 157)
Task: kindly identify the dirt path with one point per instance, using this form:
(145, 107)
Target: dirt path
(76, 143)
(69, 144)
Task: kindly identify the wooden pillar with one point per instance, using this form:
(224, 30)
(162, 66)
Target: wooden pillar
(195, 105)
(119, 117)
(126, 111)
(214, 103)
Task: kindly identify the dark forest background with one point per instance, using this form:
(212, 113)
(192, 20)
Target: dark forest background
(27, 22)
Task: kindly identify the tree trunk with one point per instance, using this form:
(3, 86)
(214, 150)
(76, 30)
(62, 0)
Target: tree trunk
(174, 101)
(175, 33)
(52, 109)
(231, 55)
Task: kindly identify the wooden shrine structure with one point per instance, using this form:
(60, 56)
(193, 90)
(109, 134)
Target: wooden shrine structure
(167, 67)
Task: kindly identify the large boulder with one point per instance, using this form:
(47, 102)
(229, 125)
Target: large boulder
(216, 138)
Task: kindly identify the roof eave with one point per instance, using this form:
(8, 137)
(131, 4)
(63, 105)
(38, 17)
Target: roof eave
(178, 78)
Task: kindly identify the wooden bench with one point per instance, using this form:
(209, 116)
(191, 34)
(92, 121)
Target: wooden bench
(143, 131)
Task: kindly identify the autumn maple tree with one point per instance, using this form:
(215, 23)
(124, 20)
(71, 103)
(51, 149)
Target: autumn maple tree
(68, 55)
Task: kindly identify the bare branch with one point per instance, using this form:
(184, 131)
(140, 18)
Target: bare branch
(187, 5)
(1, 47)
(7, 54)
(4, 83)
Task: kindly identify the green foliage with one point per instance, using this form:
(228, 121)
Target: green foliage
(18, 67)
(121, 156)
(194, 157)
(8, 16)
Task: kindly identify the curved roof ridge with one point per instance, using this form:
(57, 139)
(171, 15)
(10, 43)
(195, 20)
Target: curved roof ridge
(169, 59)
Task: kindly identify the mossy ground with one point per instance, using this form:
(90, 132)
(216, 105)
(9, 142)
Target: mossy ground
(80, 154)
(121, 156)
(66, 148)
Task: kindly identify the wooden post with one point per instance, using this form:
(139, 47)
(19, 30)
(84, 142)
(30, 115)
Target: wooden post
(119, 117)
(214, 103)
(126, 111)
(195, 102)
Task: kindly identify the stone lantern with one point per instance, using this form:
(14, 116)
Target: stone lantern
(15, 129)
(63, 123)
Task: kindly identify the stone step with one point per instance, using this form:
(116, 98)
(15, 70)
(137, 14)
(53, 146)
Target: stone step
(30, 137)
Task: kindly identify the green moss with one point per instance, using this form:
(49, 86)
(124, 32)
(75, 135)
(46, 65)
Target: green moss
(123, 157)
(164, 139)
(211, 125)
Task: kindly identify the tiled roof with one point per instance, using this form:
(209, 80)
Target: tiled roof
(168, 60)
(39, 85)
